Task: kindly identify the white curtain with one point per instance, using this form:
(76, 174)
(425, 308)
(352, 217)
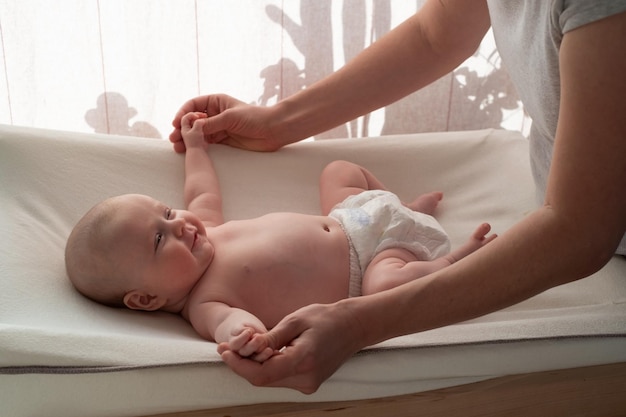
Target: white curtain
(125, 67)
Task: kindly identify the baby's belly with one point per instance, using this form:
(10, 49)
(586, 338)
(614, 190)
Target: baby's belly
(273, 294)
(300, 263)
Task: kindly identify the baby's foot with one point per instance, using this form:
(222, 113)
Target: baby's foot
(479, 235)
(478, 239)
(426, 203)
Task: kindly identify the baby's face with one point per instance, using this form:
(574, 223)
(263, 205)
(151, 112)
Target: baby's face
(167, 250)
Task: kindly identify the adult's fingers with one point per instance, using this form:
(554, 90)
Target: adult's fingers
(279, 370)
(179, 147)
(286, 331)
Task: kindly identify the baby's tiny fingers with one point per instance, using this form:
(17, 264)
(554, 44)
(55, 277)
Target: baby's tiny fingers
(247, 350)
(254, 346)
(239, 341)
(264, 355)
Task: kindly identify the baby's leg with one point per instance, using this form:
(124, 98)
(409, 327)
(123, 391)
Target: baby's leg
(426, 203)
(341, 179)
(393, 267)
(390, 268)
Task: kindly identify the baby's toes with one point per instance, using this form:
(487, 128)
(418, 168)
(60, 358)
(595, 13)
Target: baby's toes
(481, 231)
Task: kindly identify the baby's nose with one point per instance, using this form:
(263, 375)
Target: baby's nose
(178, 225)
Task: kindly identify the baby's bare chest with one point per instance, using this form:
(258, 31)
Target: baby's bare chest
(279, 264)
(280, 247)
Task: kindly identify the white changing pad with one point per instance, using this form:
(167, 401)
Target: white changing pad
(49, 179)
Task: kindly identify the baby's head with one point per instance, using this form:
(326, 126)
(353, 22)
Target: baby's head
(90, 256)
(134, 251)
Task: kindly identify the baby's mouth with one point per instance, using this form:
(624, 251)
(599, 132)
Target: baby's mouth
(195, 239)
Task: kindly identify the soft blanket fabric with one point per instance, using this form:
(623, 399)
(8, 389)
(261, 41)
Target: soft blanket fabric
(49, 179)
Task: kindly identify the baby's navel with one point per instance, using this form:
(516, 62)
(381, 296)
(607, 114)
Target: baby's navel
(326, 228)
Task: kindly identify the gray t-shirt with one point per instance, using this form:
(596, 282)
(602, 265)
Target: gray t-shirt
(528, 35)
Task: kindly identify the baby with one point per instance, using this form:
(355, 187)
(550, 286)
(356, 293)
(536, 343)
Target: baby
(232, 281)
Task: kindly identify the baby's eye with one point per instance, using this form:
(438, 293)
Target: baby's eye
(168, 213)
(157, 240)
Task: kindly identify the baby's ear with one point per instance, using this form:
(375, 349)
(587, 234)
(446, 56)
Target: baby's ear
(139, 300)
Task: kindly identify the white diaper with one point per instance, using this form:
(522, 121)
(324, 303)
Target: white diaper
(376, 220)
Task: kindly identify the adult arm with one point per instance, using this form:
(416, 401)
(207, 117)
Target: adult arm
(571, 236)
(425, 47)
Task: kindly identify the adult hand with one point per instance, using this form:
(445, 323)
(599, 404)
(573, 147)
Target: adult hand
(315, 341)
(231, 122)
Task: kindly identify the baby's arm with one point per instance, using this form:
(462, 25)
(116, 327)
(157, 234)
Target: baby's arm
(202, 188)
(233, 326)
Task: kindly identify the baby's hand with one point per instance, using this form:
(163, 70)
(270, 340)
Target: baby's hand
(191, 129)
(249, 343)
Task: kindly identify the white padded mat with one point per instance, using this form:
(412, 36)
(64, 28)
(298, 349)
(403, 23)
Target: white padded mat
(49, 179)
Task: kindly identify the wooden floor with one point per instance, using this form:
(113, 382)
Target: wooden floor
(581, 392)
